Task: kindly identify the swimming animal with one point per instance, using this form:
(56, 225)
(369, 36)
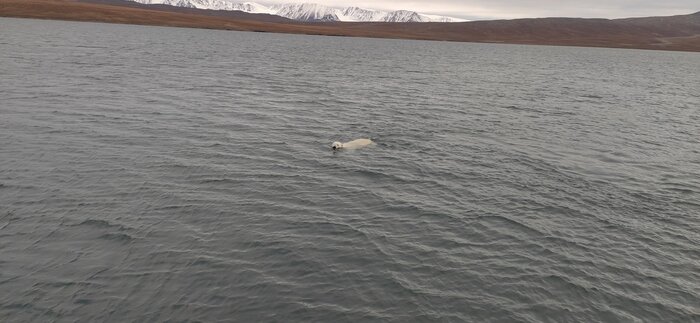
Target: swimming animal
(355, 144)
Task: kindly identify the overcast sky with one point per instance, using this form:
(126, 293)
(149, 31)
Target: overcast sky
(490, 9)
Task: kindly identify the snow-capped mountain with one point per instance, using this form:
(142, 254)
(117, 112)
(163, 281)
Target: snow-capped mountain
(308, 11)
(405, 16)
(359, 14)
(251, 7)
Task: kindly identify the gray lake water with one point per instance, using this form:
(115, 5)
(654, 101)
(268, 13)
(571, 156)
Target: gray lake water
(155, 174)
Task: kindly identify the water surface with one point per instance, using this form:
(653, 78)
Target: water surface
(162, 174)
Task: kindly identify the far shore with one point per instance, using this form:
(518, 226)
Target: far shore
(677, 33)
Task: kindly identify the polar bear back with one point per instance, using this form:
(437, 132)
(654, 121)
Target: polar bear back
(357, 143)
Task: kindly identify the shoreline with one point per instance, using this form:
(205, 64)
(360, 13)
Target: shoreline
(676, 33)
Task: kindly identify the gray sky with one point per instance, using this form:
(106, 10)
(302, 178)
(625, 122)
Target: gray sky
(491, 9)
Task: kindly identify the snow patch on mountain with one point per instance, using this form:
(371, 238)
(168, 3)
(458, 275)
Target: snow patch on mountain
(308, 11)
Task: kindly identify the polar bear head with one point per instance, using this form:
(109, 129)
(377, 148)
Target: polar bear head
(337, 145)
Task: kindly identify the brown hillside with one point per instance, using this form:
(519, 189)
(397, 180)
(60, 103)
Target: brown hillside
(668, 33)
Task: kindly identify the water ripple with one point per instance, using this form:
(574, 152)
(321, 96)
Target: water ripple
(158, 174)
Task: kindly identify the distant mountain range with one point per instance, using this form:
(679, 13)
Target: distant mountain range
(311, 12)
(681, 32)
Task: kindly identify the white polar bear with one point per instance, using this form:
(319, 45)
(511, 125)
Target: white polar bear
(355, 144)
